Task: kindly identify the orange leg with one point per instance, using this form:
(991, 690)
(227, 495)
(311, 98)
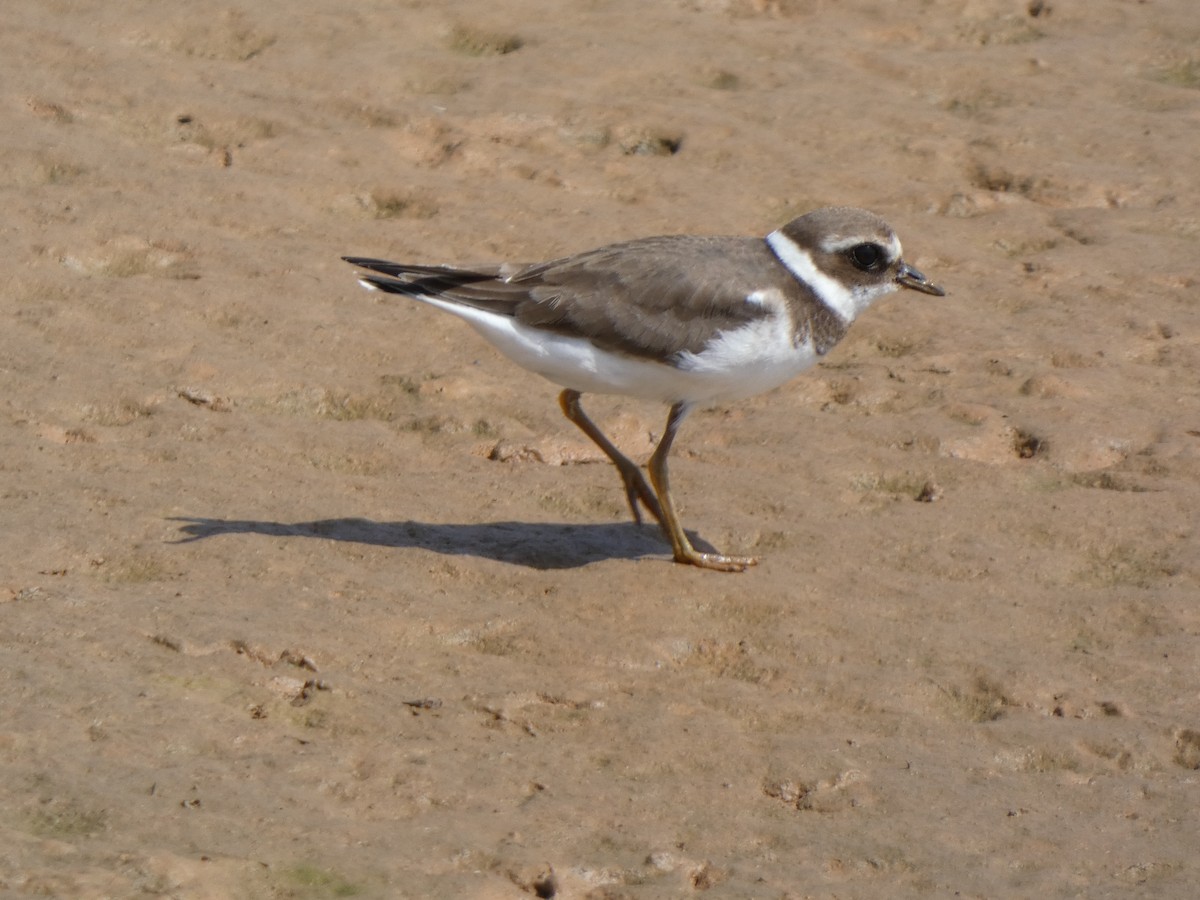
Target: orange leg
(635, 485)
(684, 551)
(658, 501)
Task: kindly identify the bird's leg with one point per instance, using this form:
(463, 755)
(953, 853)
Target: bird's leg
(684, 551)
(635, 485)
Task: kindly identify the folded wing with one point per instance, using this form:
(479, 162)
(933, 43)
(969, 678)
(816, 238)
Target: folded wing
(650, 298)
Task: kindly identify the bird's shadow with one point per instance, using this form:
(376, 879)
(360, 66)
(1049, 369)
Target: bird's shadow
(533, 544)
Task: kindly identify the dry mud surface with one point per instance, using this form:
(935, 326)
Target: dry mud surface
(308, 593)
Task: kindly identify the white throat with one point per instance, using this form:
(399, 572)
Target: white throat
(846, 301)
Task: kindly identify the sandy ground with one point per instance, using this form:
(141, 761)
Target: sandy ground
(308, 593)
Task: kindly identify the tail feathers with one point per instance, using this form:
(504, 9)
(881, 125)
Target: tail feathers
(390, 285)
(413, 279)
(408, 271)
(483, 287)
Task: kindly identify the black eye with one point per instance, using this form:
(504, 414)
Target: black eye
(868, 257)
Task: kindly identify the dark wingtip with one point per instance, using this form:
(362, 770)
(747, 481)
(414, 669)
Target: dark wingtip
(388, 285)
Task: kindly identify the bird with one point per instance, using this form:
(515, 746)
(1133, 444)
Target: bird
(685, 320)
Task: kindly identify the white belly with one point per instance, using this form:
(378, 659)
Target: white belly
(738, 364)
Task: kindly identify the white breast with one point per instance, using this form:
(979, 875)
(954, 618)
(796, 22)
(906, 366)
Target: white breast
(754, 358)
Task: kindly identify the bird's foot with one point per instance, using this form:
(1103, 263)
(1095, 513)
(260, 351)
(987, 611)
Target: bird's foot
(717, 561)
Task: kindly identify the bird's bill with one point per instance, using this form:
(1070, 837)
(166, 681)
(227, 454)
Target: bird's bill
(910, 278)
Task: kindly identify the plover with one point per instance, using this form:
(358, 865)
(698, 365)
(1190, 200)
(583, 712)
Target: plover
(681, 319)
